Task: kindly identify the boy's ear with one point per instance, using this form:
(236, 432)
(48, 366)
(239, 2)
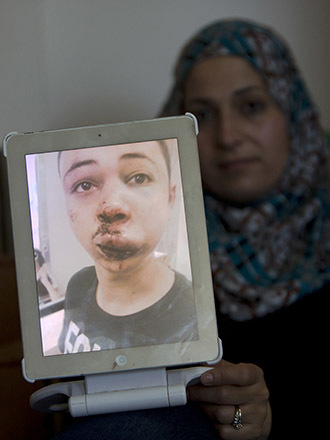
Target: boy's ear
(172, 195)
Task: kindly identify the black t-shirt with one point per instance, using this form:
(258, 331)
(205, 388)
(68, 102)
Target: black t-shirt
(87, 327)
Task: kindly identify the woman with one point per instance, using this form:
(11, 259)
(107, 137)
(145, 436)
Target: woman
(265, 173)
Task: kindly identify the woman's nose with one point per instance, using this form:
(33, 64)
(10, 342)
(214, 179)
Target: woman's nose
(228, 133)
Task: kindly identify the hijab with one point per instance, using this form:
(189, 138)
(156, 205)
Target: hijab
(268, 254)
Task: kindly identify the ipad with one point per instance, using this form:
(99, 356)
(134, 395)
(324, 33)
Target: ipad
(111, 248)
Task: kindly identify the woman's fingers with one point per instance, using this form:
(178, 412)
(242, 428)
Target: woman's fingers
(231, 384)
(226, 373)
(228, 387)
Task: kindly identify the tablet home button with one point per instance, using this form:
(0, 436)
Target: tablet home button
(121, 360)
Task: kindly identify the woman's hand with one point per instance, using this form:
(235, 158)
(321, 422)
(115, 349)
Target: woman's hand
(229, 386)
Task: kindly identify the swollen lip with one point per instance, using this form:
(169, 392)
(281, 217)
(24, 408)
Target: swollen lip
(115, 247)
(117, 253)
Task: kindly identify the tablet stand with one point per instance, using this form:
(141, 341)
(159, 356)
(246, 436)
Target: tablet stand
(119, 391)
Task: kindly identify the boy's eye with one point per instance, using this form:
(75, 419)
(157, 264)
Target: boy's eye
(83, 187)
(139, 179)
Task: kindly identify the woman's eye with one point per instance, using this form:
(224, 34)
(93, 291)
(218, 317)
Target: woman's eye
(204, 115)
(252, 107)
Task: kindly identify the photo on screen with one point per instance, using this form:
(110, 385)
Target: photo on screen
(111, 249)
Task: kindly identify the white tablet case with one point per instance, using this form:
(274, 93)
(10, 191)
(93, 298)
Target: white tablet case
(132, 377)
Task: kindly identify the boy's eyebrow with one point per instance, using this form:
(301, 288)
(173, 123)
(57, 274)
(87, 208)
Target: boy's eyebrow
(79, 164)
(137, 156)
(86, 162)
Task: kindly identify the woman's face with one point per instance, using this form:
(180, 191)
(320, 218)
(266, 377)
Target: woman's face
(243, 135)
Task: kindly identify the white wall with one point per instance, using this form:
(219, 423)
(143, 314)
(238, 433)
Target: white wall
(76, 62)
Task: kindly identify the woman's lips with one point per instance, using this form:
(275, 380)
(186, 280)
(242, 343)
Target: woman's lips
(236, 164)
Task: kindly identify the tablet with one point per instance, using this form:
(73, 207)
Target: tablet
(111, 248)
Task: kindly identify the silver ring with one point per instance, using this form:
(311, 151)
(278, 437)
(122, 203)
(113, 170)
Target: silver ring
(237, 422)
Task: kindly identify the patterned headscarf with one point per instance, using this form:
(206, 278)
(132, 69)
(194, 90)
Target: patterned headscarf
(268, 254)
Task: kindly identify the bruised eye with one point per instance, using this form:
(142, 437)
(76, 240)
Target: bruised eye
(139, 179)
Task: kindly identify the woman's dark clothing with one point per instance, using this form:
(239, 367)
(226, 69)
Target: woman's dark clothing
(291, 346)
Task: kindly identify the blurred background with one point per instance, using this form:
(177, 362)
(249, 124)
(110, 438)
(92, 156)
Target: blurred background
(67, 63)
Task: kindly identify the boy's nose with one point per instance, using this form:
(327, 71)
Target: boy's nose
(113, 205)
(113, 214)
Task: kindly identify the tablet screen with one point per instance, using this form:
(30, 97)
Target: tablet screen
(111, 250)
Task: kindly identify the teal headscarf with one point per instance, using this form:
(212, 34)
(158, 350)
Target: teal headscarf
(269, 254)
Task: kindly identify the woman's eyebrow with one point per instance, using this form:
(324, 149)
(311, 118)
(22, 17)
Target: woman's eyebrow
(79, 164)
(238, 92)
(248, 89)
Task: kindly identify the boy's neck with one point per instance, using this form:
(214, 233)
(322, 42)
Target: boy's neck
(130, 292)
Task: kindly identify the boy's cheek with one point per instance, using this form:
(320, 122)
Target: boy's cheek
(72, 215)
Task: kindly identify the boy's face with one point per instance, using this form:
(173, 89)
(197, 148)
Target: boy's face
(118, 200)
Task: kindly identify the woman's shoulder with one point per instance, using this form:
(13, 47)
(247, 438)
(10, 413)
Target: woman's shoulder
(288, 333)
